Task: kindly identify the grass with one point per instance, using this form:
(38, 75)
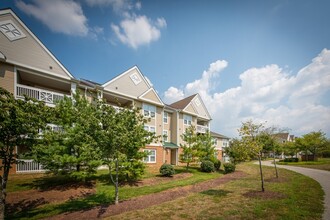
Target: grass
(321, 164)
(286, 200)
(230, 200)
(104, 192)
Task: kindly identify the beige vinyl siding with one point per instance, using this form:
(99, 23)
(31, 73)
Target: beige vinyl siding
(168, 126)
(28, 51)
(190, 109)
(174, 123)
(7, 78)
(124, 85)
(201, 111)
(151, 96)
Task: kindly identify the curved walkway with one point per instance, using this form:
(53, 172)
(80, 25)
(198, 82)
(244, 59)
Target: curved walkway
(321, 176)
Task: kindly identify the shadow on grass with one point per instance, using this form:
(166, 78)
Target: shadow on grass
(216, 192)
(70, 206)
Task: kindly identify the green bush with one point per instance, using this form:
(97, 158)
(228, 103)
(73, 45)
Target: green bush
(207, 166)
(217, 165)
(229, 167)
(291, 160)
(167, 170)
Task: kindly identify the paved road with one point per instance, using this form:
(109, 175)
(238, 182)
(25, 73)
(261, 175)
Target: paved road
(321, 176)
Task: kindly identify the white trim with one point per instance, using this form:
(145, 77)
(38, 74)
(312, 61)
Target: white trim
(150, 101)
(15, 82)
(37, 69)
(151, 89)
(207, 112)
(155, 150)
(119, 93)
(164, 117)
(124, 73)
(167, 136)
(9, 11)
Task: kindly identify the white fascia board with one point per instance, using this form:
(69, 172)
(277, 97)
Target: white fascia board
(119, 93)
(124, 73)
(207, 112)
(151, 89)
(150, 101)
(9, 11)
(41, 73)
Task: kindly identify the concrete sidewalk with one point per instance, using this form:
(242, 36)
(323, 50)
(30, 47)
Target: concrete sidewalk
(321, 176)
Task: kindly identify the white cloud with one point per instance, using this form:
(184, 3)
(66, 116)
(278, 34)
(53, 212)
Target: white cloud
(117, 5)
(63, 16)
(267, 94)
(173, 94)
(136, 31)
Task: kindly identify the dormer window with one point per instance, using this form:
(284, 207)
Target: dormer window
(10, 30)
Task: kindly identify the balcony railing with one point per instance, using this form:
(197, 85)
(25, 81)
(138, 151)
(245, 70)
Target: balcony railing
(202, 129)
(39, 94)
(29, 166)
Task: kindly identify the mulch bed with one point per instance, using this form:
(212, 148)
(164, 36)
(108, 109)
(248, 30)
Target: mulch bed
(143, 202)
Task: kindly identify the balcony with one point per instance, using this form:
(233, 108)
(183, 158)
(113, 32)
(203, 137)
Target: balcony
(202, 129)
(48, 97)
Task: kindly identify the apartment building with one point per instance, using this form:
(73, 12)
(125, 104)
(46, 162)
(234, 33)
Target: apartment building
(27, 67)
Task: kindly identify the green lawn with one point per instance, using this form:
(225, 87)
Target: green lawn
(321, 164)
(228, 201)
(286, 200)
(104, 191)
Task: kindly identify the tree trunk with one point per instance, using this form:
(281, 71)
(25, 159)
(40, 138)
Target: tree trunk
(261, 175)
(275, 165)
(116, 184)
(4, 179)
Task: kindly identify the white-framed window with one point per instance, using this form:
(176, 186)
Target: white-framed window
(187, 119)
(165, 135)
(225, 143)
(165, 118)
(149, 110)
(150, 128)
(215, 141)
(151, 157)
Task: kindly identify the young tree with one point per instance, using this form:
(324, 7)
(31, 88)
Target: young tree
(190, 149)
(73, 149)
(122, 139)
(20, 121)
(206, 149)
(237, 151)
(250, 139)
(268, 143)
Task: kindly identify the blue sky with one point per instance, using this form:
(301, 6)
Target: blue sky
(266, 60)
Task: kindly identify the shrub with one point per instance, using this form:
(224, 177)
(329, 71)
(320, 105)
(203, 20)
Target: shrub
(217, 165)
(167, 170)
(291, 160)
(207, 166)
(229, 167)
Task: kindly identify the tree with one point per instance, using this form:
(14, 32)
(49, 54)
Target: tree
(190, 148)
(20, 121)
(73, 149)
(250, 132)
(122, 139)
(206, 149)
(268, 143)
(313, 142)
(237, 152)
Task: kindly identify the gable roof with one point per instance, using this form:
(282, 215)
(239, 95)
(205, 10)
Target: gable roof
(151, 96)
(181, 104)
(32, 52)
(214, 134)
(193, 105)
(133, 84)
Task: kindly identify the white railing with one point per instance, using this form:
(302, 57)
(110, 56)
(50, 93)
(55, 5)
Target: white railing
(52, 127)
(202, 129)
(29, 166)
(39, 94)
